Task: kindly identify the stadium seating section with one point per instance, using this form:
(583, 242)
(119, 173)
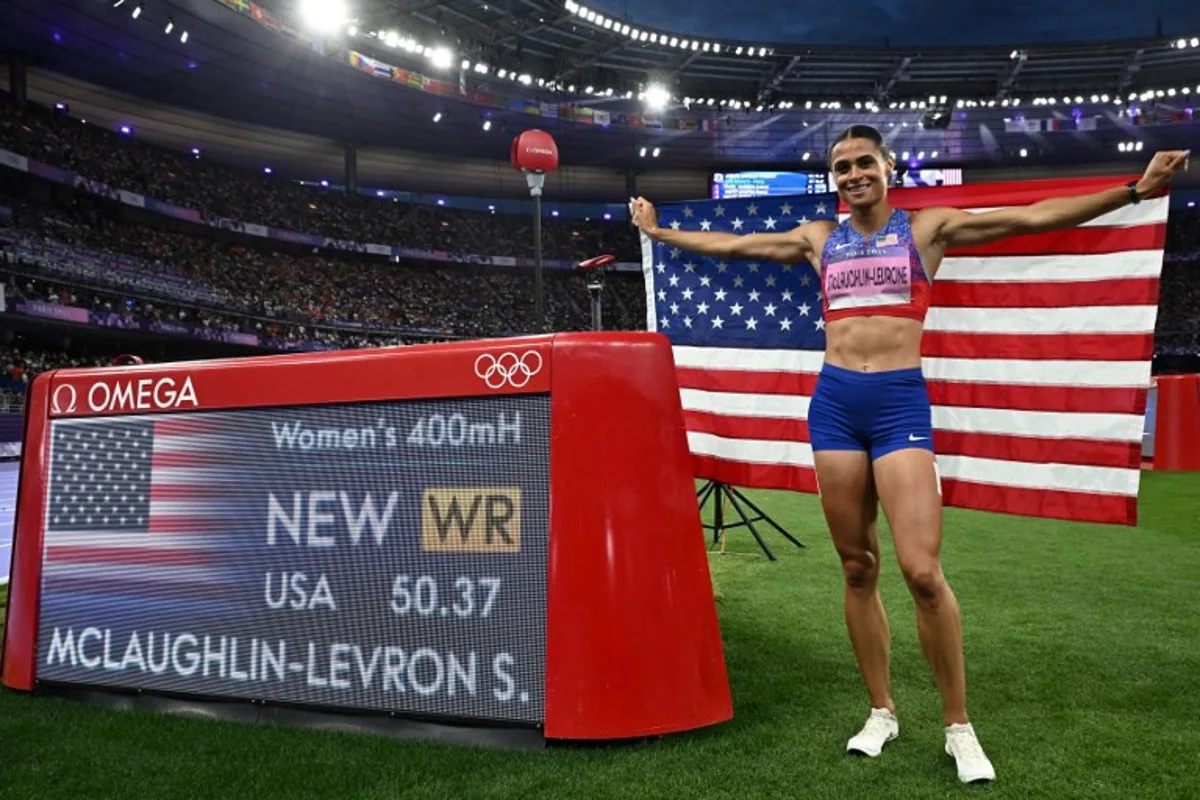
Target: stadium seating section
(86, 252)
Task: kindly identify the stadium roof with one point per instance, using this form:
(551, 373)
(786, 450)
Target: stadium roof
(571, 43)
(240, 63)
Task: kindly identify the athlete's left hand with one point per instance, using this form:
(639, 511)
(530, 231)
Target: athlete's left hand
(1162, 168)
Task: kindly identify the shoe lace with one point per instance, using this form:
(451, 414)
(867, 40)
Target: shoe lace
(966, 746)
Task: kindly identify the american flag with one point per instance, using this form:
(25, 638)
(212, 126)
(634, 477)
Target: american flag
(133, 506)
(1037, 351)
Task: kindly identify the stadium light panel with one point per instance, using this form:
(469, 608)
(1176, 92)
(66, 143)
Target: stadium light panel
(657, 97)
(437, 117)
(572, 7)
(656, 152)
(642, 152)
(807, 156)
(1182, 43)
(441, 57)
(934, 154)
(487, 125)
(137, 12)
(170, 26)
(716, 47)
(1024, 152)
(323, 16)
(1196, 41)
(183, 37)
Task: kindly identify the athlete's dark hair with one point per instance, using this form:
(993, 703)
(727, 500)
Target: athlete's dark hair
(861, 132)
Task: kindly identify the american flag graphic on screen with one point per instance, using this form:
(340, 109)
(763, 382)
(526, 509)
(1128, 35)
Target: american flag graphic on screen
(133, 505)
(1037, 351)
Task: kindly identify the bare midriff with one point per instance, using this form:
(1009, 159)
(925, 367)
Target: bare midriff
(874, 344)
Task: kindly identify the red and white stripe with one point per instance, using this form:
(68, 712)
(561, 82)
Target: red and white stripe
(176, 546)
(1037, 352)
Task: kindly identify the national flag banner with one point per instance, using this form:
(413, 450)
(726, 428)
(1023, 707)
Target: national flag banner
(132, 507)
(1036, 350)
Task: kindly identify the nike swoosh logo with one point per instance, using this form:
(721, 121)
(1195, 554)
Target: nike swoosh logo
(912, 438)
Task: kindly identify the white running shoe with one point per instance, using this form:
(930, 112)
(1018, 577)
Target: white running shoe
(973, 765)
(880, 729)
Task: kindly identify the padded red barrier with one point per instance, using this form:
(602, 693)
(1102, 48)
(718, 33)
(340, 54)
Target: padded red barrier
(1177, 425)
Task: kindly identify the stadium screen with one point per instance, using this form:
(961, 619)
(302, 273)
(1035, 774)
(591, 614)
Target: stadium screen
(764, 184)
(383, 556)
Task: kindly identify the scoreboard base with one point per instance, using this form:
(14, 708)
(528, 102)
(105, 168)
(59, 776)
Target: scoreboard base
(473, 733)
(502, 530)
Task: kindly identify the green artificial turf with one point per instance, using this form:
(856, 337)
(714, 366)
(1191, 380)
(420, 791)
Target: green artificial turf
(1083, 657)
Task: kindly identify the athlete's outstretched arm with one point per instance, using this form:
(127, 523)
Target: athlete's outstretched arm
(957, 228)
(789, 247)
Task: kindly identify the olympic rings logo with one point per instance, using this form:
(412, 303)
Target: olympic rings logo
(508, 369)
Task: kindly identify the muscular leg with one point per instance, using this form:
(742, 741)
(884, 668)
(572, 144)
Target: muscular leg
(907, 485)
(850, 504)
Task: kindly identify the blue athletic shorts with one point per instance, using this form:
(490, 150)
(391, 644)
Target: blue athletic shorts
(875, 412)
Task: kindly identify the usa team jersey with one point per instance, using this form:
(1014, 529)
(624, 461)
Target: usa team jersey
(881, 277)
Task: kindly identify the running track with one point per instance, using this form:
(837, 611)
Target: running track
(8, 507)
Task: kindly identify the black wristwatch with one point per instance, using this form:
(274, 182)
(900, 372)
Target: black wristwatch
(1134, 197)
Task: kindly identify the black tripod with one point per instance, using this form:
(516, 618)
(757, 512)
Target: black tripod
(718, 493)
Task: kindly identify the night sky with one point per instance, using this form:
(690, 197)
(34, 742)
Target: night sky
(912, 22)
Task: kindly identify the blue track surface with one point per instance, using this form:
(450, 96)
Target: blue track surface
(8, 507)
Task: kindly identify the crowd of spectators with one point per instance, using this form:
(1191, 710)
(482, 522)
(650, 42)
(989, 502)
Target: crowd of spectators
(298, 295)
(19, 364)
(285, 295)
(216, 191)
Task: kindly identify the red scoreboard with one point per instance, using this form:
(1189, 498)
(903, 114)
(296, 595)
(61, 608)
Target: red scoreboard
(493, 534)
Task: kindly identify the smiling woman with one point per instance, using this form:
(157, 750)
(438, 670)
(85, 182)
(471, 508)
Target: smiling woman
(870, 419)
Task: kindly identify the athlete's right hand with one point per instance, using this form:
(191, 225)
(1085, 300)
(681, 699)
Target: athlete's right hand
(642, 212)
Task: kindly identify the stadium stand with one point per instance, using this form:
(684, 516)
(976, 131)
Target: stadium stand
(207, 284)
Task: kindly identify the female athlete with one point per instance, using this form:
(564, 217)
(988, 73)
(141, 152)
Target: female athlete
(870, 419)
